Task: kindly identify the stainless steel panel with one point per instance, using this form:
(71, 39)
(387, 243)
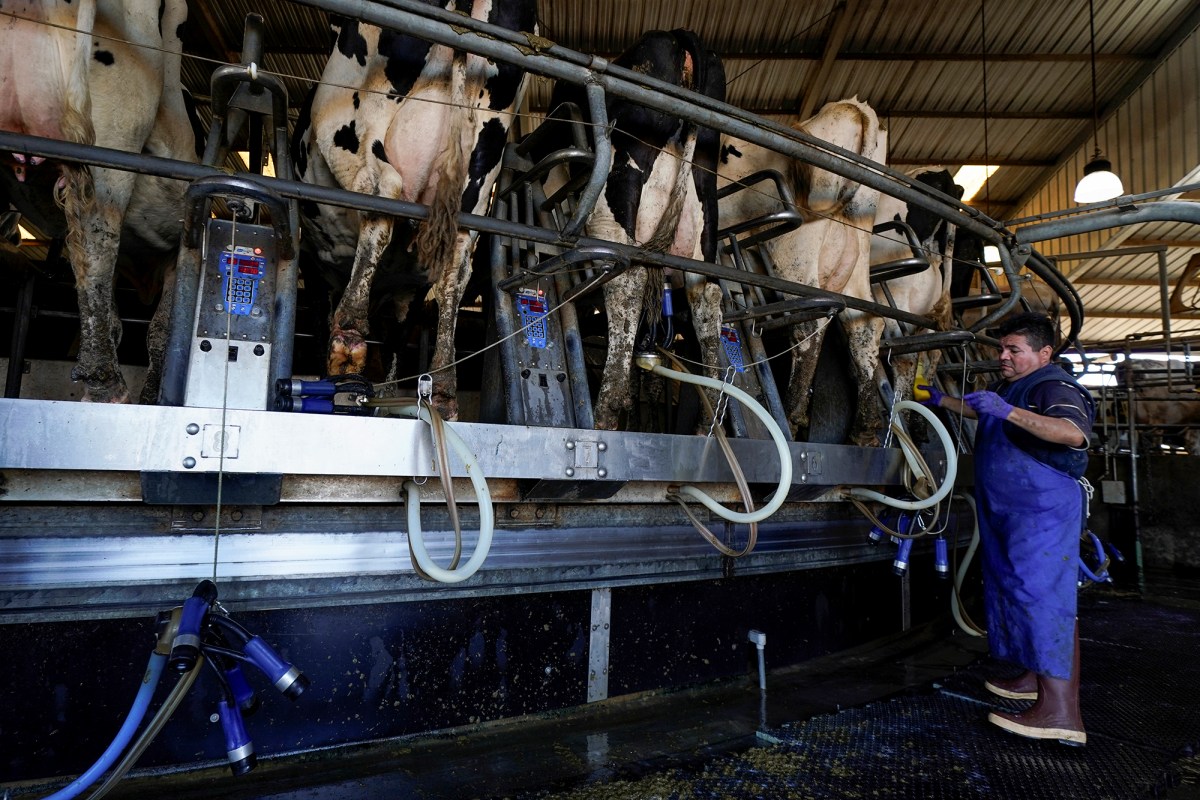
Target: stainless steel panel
(601, 623)
(53, 435)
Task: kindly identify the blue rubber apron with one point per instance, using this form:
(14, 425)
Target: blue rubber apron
(1030, 516)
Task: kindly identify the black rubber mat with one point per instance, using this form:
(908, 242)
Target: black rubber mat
(1140, 693)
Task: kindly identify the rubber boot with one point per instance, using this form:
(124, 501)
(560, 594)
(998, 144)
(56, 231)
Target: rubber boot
(1055, 715)
(1022, 687)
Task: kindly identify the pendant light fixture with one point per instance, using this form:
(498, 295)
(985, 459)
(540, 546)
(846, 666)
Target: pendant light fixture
(1099, 182)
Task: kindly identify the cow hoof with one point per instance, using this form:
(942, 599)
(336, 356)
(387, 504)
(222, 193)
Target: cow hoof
(865, 440)
(446, 405)
(105, 395)
(347, 353)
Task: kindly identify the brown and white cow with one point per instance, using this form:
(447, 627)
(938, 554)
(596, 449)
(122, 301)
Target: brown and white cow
(399, 117)
(830, 250)
(103, 72)
(660, 194)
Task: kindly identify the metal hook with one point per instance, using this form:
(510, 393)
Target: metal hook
(722, 401)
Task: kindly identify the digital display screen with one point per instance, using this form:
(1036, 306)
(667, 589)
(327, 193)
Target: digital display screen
(250, 269)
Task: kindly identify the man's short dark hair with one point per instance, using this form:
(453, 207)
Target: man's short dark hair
(1036, 328)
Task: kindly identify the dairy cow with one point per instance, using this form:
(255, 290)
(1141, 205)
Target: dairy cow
(660, 194)
(830, 250)
(102, 72)
(398, 117)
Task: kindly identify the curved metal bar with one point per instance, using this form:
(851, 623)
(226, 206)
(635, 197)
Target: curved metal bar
(1040, 266)
(603, 151)
(203, 189)
(1164, 211)
(566, 260)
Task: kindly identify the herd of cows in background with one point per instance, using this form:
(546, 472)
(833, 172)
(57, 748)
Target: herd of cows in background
(428, 124)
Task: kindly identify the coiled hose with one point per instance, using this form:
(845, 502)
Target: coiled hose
(445, 434)
(917, 464)
(781, 446)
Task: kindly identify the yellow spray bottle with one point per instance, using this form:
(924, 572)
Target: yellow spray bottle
(920, 394)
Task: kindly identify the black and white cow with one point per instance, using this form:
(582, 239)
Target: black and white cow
(661, 195)
(399, 117)
(103, 72)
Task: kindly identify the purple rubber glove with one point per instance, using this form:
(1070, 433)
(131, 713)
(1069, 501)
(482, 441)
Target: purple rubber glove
(988, 403)
(935, 396)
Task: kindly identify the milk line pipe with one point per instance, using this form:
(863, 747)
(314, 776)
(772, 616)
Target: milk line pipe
(155, 726)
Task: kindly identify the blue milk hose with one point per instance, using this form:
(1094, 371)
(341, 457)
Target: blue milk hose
(154, 671)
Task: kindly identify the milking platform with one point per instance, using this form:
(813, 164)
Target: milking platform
(902, 717)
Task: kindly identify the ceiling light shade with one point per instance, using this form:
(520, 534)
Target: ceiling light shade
(1099, 182)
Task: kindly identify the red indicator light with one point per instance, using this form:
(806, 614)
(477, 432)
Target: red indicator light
(258, 251)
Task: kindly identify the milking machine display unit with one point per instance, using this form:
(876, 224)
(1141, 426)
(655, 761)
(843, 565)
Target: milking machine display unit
(323, 531)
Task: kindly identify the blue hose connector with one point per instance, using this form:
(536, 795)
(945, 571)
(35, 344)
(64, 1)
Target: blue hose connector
(243, 693)
(287, 678)
(290, 387)
(186, 647)
(239, 750)
(876, 534)
(306, 405)
(900, 564)
(941, 558)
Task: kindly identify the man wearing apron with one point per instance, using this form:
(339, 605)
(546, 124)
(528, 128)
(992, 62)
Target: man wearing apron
(1030, 452)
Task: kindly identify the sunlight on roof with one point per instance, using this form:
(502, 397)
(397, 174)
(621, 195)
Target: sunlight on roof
(972, 177)
(1102, 367)
(268, 168)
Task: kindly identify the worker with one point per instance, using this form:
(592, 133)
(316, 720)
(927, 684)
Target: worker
(1030, 454)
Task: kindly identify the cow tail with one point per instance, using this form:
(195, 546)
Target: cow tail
(942, 310)
(436, 237)
(75, 192)
(664, 234)
(660, 241)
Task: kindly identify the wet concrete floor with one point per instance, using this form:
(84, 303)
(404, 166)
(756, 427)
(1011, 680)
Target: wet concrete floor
(624, 743)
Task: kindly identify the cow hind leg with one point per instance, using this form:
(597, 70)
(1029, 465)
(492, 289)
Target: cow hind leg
(157, 335)
(806, 338)
(862, 334)
(92, 242)
(448, 292)
(347, 339)
(704, 298)
(623, 297)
